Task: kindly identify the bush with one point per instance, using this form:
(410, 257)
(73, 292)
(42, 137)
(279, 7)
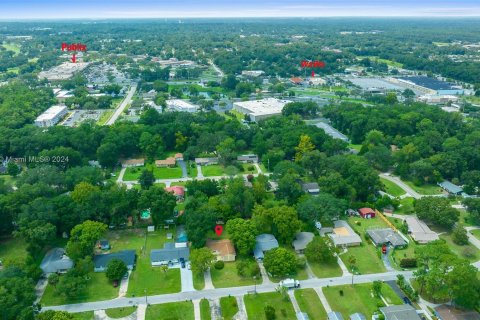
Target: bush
(270, 313)
(468, 252)
(219, 265)
(341, 293)
(250, 168)
(408, 263)
(406, 288)
(283, 312)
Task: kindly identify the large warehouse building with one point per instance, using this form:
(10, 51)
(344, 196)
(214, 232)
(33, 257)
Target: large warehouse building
(261, 109)
(181, 106)
(429, 85)
(51, 116)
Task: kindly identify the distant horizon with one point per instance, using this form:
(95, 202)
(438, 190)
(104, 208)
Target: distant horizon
(13, 10)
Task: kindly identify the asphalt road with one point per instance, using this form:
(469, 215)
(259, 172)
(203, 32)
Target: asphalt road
(122, 105)
(222, 292)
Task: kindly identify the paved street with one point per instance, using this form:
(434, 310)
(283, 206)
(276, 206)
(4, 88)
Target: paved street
(122, 105)
(401, 184)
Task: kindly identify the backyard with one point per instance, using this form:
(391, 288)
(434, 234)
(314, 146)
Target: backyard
(349, 299)
(309, 302)
(229, 307)
(406, 206)
(255, 304)
(170, 311)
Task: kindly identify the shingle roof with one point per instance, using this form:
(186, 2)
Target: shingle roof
(420, 231)
(264, 242)
(401, 312)
(127, 256)
(344, 234)
(56, 260)
(301, 240)
(387, 235)
(169, 253)
(450, 187)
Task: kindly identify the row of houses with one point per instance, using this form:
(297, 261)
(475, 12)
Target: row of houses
(172, 161)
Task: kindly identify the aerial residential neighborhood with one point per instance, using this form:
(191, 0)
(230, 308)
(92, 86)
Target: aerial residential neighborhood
(212, 160)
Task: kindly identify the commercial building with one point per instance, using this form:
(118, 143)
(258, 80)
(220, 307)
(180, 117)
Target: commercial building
(437, 99)
(451, 188)
(63, 72)
(419, 231)
(181, 106)
(174, 62)
(429, 85)
(252, 73)
(51, 116)
(261, 109)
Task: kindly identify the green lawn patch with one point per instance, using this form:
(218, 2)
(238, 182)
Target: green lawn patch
(476, 233)
(98, 288)
(205, 310)
(357, 147)
(263, 167)
(213, 170)
(249, 168)
(406, 206)
(229, 307)
(107, 114)
(325, 270)
(349, 299)
(255, 304)
(13, 250)
(198, 281)
(120, 312)
(468, 251)
(426, 189)
(88, 315)
(179, 183)
(170, 311)
(392, 188)
(309, 302)
(228, 277)
(192, 171)
(132, 174)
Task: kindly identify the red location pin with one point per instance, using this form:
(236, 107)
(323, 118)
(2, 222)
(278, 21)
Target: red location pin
(313, 73)
(219, 230)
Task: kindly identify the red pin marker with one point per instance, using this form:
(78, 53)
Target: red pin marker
(219, 230)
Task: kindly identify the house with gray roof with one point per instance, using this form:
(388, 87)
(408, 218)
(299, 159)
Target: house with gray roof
(450, 187)
(386, 236)
(310, 188)
(419, 231)
(264, 242)
(55, 261)
(401, 312)
(101, 261)
(301, 241)
(343, 235)
(334, 315)
(170, 255)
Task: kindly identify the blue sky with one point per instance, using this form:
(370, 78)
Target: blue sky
(44, 9)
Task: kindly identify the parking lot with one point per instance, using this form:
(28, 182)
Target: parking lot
(78, 116)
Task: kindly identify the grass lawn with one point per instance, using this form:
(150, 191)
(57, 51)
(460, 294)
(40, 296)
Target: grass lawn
(205, 310)
(198, 281)
(406, 206)
(357, 147)
(398, 254)
(392, 188)
(12, 47)
(132, 174)
(426, 189)
(107, 114)
(355, 299)
(192, 172)
(323, 270)
(13, 249)
(116, 172)
(263, 167)
(98, 288)
(120, 312)
(88, 315)
(228, 277)
(213, 170)
(229, 307)
(460, 250)
(170, 311)
(309, 302)
(367, 259)
(251, 166)
(476, 233)
(255, 304)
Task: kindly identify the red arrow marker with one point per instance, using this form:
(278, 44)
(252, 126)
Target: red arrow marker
(313, 73)
(74, 58)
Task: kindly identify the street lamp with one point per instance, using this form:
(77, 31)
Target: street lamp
(146, 300)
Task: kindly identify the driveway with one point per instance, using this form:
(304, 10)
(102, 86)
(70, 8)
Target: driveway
(183, 165)
(187, 280)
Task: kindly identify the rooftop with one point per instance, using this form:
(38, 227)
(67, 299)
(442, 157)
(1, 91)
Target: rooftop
(56, 260)
(264, 242)
(450, 187)
(127, 256)
(51, 113)
(221, 247)
(302, 239)
(419, 230)
(343, 234)
(401, 312)
(430, 83)
(387, 235)
(169, 253)
(264, 106)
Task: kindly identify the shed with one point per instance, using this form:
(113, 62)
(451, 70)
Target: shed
(366, 213)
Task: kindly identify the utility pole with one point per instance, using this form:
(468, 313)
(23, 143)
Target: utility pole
(146, 300)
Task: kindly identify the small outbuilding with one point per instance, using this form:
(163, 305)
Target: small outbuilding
(366, 213)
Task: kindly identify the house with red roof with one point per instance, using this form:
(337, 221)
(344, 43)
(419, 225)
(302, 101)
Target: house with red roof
(296, 80)
(178, 192)
(366, 213)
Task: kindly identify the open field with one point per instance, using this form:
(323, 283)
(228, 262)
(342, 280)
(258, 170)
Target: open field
(98, 287)
(347, 299)
(13, 249)
(309, 302)
(170, 311)
(473, 255)
(392, 188)
(256, 303)
(229, 307)
(322, 270)
(228, 277)
(213, 170)
(10, 46)
(426, 189)
(406, 206)
(132, 174)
